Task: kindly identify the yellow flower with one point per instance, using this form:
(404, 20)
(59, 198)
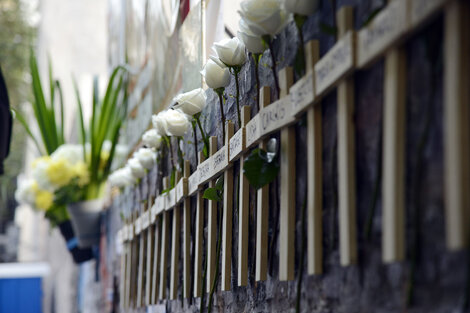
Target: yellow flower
(80, 170)
(36, 161)
(59, 172)
(104, 156)
(44, 199)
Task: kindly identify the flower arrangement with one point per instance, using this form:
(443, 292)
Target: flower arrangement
(67, 173)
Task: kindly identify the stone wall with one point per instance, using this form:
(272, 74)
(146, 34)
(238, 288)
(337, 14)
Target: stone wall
(433, 279)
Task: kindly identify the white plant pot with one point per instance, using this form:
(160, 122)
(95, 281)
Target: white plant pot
(85, 218)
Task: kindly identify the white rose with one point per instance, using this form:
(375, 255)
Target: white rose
(191, 102)
(215, 76)
(159, 122)
(177, 122)
(151, 138)
(301, 7)
(264, 17)
(121, 177)
(26, 191)
(137, 170)
(253, 43)
(69, 152)
(230, 51)
(146, 157)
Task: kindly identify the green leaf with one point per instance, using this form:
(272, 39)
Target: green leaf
(61, 101)
(80, 115)
(328, 29)
(219, 184)
(22, 121)
(258, 170)
(212, 194)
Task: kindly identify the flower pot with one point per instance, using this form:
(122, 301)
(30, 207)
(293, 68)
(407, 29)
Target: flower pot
(79, 255)
(85, 218)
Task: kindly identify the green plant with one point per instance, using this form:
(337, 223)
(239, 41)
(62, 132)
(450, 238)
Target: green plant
(106, 120)
(215, 193)
(50, 129)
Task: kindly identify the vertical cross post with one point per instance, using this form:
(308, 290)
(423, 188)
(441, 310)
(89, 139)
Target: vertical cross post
(199, 234)
(262, 207)
(186, 238)
(314, 170)
(243, 207)
(456, 123)
(175, 247)
(164, 247)
(287, 172)
(142, 250)
(211, 226)
(150, 254)
(346, 155)
(227, 217)
(156, 258)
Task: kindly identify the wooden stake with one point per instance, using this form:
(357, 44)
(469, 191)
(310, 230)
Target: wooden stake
(175, 247)
(186, 238)
(346, 156)
(134, 265)
(287, 213)
(262, 209)
(156, 259)
(142, 251)
(314, 169)
(393, 204)
(211, 227)
(164, 247)
(243, 217)
(199, 232)
(227, 218)
(456, 126)
(150, 256)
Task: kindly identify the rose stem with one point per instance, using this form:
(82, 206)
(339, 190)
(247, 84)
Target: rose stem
(255, 57)
(274, 68)
(220, 93)
(217, 260)
(238, 98)
(204, 137)
(195, 140)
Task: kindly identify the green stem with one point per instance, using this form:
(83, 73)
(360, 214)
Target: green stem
(216, 277)
(300, 59)
(236, 71)
(168, 143)
(204, 137)
(204, 277)
(195, 139)
(220, 92)
(269, 42)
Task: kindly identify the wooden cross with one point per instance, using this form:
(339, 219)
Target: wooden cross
(142, 238)
(175, 248)
(243, 207)
(262, 208)
(199, 232)
(227, 216)
(187, 238)
(157, 251)
(346, 155)
(150, 250)
(211, 226)
(133, 264)
(287, 178)
(456, 123)
(164, 247)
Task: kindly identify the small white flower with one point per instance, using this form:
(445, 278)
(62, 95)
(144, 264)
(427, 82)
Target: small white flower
(301, 7)
(215, 76)
(26, 191)
(253, 43)
(230, 51)
(191, 102)
(146, 157)
(69, 152)
(264, 17)
(137, 170)
(151, 138)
